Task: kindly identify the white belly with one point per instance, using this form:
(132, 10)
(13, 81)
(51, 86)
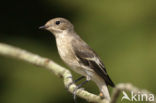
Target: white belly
(67, 55)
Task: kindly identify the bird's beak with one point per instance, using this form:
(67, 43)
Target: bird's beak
(43, 27)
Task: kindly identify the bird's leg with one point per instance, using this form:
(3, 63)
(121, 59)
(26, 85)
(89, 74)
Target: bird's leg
(79, 86)
(75, 81)
(79, 79)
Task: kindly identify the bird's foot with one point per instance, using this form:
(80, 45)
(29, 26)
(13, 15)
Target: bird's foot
(80, 78)
(69, 83)
(69, 77)
(75, 91)
(79, 86)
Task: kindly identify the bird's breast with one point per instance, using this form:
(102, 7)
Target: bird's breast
(65, 50)
(66, 53)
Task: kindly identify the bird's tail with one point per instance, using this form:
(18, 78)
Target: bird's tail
(104, 91)
(103, 88)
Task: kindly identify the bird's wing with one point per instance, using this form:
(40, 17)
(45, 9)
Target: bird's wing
(89, 58)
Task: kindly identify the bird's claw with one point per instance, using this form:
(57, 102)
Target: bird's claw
(75, 91)
(69, 77)
(78, 87)
(69, 85)
(74, 94)
(74, 81)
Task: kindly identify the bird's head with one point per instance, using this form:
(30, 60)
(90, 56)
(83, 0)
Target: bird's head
(58, 25)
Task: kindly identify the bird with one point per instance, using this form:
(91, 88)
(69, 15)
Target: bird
(78, 55)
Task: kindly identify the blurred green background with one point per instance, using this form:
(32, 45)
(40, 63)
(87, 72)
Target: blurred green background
(122, 32)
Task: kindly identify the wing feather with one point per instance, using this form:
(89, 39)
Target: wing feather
(89, 58)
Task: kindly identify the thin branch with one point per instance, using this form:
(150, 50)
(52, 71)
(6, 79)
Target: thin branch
(17, 53)
(128, 87)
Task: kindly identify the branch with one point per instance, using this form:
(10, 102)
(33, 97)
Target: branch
(129, 87)
(17, 53)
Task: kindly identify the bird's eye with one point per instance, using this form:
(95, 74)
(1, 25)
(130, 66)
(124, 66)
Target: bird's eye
(57, 22)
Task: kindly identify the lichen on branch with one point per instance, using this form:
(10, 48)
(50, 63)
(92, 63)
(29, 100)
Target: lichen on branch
(17, 53)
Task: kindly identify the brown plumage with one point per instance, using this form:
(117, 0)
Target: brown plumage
(78, 55)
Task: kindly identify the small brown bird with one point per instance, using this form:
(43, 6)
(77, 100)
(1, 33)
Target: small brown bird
(78, 55)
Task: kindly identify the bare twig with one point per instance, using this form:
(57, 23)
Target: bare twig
(17, 53)
(127, 87)
(10, 51)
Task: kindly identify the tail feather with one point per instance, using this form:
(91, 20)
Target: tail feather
(109, 81)
(102, 87)
(105, 91)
